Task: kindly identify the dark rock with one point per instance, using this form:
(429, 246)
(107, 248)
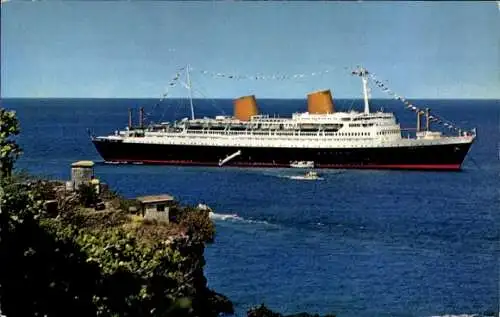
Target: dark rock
(220, 303)
(51, 207)
(100, 206)
(263, 311)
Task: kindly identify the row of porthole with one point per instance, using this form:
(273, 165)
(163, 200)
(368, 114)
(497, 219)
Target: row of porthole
(387, 132)
(354, 134)
(203, 138)
(238, 144)
(295, 135)
(263, 145)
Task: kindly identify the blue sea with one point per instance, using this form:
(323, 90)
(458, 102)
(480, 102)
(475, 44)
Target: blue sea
(357, 243)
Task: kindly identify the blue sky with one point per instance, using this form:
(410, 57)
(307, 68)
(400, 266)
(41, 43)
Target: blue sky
(132, 49)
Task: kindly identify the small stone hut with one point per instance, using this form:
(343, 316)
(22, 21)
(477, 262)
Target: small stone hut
(156, 206)
(82, 172)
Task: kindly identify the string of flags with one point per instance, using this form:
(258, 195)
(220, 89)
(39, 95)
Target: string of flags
(410, 106)
(172, 83)
(276, 76)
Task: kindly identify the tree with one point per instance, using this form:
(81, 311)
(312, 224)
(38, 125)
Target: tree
(9, 149)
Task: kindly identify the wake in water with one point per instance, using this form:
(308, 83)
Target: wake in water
(234, 218)
(296, 174)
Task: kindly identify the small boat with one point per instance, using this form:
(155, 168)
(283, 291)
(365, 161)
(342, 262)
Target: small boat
(311, 175)
(302, 164)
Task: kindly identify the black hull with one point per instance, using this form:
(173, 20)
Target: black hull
(429, 157)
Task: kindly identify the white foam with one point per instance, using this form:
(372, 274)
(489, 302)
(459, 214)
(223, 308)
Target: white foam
(233, 217)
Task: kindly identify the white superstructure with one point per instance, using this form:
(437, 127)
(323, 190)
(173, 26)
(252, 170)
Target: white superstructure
(302, 130)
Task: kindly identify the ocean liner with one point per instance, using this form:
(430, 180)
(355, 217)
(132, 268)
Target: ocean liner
(321, 137)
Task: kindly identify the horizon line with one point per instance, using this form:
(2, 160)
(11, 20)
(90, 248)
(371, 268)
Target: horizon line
(262, 98)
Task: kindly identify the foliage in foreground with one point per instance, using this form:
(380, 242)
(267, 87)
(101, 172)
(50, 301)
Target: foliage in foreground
(81, 263)
(71, 266)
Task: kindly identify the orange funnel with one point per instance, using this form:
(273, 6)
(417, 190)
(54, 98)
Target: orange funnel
(245, 107)
(320, 102)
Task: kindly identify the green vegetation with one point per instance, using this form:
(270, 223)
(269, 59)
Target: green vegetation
(87, 195)
(196, 222)
(9, 149)
(82, 262)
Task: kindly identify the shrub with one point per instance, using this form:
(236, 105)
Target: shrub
(197, 223)
(87, 195)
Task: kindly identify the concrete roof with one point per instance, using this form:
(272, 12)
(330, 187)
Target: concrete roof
(155, 199)
(83, 164)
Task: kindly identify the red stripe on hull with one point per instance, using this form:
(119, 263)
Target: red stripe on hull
(400, 166)
(448, 167)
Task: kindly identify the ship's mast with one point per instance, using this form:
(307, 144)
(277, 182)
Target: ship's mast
(363, 73)
(365, 90)
(190, 92)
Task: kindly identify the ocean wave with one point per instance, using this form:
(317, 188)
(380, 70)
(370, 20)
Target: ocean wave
(234, 218)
